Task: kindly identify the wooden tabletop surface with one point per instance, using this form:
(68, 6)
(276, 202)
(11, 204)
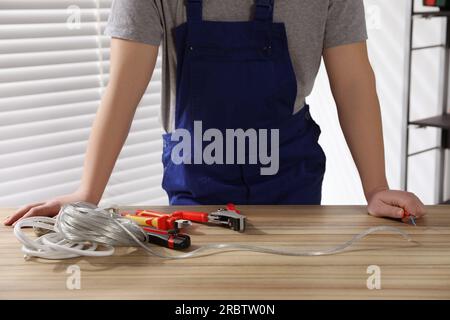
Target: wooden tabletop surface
(408, 270)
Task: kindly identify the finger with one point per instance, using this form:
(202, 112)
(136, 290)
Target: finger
(381, 209)
(20, 212)
(46, 210)
(421, 210)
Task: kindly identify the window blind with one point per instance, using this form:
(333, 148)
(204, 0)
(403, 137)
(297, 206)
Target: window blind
(54, 66)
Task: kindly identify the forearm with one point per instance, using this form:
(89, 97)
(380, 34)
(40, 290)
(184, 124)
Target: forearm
(354, 89)
(109, 132)
(132, 65)
(360, 119)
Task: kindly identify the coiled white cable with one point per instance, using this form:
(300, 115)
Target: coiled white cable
(81, 229)
(53, 245)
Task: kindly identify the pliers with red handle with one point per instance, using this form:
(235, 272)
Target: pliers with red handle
(229, 216)
(163, 228)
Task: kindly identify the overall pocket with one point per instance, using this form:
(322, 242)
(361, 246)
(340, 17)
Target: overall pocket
(238, 89)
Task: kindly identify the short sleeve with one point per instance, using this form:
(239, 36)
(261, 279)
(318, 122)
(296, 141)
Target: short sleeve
(346, 23)
(136, 20)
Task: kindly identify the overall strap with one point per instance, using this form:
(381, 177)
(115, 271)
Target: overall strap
(194, 10)
(264, 10)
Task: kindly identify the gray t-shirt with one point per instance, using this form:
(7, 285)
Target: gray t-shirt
(311, 25)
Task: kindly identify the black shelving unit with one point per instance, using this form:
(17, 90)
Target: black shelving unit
(440, 121)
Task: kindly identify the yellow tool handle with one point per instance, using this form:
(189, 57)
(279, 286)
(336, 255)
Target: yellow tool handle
(142, 221)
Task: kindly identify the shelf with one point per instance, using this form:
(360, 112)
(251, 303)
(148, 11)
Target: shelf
(431, 14)
(442, 122)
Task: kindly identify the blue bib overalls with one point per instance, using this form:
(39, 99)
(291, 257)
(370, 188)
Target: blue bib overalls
(234, 75)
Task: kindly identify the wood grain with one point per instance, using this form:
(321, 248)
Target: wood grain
(418, 270)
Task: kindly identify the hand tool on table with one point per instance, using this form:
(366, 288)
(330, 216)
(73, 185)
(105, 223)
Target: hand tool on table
(168, 239)
(229, 216)
(412, 218)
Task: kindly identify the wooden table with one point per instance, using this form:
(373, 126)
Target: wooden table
(408, 270)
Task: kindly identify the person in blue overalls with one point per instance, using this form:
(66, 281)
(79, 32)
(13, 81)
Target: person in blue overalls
(240, 69)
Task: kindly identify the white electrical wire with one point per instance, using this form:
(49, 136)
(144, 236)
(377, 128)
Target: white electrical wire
(81, 229)
(54, 245)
